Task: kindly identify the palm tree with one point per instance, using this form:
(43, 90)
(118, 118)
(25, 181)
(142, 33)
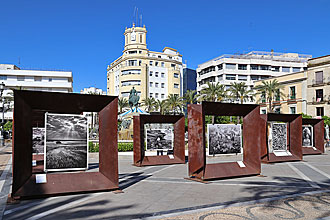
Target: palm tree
(270, 90)
(161, 106)
(149, 103)
(213, 92)
(190, 96)
(122, 103)
(174, 102)
(240, 91)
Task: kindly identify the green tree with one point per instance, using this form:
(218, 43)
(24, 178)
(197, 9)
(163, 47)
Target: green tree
(174, 103)
(190, 97)
(214, 92)
(8, 126)
(122, 103)
(270, 89)
(160, 106)
(240, 91)
(149, 103)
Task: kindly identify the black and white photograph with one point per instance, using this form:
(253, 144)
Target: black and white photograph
(279, 136)
(224, 139)
(66, 142)
(159, 136)
(307, 135)
(38, 139)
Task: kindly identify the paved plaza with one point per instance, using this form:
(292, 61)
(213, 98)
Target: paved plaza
(296, 190)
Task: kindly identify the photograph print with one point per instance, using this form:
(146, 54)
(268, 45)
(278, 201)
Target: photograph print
(307, 135)
(66, 142)
(279, 136)
(224, 139)
(38, 138)
(159, 137)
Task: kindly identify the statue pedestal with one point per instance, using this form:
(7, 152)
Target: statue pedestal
(127, 133)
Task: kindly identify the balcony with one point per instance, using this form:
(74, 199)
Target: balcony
(320, 100)
(320, 82)
(292, 98)
(277, 100)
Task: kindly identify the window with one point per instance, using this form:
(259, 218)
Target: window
(20, 78)
(176, 85)
(293, 110)
(263, 97)
(156, 63)
(278, 95)
(253, 67)
(292, 92)
(150, 74)
(163, 75)
(220, 67)
(3, 77)
(140, 38)
(242, 66)
(278, 110)
(242, 77)
(264, 67)
(319, 95)
(131, 82)
(150, 63)
(128, 72)
(140, 51)
(319, 111)
(163, 96)
(159, 56)
(263, 111)
(37, 78)
(230, 66)
(254, 77)
(151, 94)
(230, 77)
(156, 74)
(295, 69)
(176, 75)
(156, 85)
(319, 77)
(220, 77)
(132, 52)
(286, 69)
(163, 64)
(156, 95)
(276, 69)
(264, 77)
(132, 63)
(173, 65)
(163, 85)
(151, 84)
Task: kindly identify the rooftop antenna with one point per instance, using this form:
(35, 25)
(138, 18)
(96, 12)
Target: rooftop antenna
(137, 17)
(141, 20)
(134, 13)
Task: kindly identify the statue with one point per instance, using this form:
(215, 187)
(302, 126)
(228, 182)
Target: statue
(133, 99)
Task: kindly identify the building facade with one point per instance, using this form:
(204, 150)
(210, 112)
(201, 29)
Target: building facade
(318, 86)
(189, 79)
(249, 67)
(153, 74)
(93, 90)
(294, 98)
(36, 80)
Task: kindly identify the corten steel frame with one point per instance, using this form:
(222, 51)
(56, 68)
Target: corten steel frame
(29, 109)
(138, 141)
(294, 137)
(318, 139)
(196, 144)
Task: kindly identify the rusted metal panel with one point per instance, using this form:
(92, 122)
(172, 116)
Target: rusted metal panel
(29, 109)
(295, 138)
(252, 124)
(138, 141)
(318, 130)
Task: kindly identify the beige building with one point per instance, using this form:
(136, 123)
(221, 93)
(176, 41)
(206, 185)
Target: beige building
(153, 74)
(294, 96)
(318, 86)
(305, 92)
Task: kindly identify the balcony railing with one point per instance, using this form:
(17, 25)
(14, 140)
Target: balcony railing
(320, 81)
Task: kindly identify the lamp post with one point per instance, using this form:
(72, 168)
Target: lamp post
(2, 88)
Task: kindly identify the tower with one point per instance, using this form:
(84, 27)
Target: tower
(135, 38)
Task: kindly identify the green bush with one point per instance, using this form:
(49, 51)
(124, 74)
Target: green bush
(93, 147)
(122, 147)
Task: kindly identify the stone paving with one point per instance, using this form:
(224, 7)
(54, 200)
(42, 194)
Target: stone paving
(160, 192)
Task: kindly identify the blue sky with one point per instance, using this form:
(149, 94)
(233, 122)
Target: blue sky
(86, 35)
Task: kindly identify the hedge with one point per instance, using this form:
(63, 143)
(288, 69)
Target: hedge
(122, 147)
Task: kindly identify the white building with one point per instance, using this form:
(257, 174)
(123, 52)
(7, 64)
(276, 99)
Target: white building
(93, 90)
(37, 80)
(249, 67)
